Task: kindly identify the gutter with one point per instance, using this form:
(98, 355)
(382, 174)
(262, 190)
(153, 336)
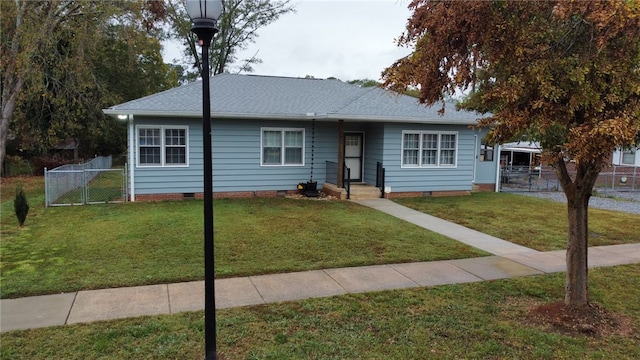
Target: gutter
(132, 159)
(497, 152)
(318, 117)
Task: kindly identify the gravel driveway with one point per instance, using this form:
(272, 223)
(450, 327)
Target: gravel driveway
(609, 200)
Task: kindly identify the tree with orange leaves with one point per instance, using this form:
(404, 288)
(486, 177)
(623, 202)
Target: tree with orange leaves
(565, 73)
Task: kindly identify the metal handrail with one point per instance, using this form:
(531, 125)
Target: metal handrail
(346, 181)
(380, 174)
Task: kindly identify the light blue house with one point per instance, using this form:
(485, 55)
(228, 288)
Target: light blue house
(272, 133)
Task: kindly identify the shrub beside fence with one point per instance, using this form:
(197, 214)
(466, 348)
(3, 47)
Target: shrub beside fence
(89, 183)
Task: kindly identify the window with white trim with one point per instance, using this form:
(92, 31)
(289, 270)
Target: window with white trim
(429, 149)
(282, 147)
(628, 157)
(162, 145)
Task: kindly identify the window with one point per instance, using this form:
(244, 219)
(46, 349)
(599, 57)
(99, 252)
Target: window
(486, 152)
(282, 147)
(429, 149)
(411, 149)
(628, 157)
(162, 146)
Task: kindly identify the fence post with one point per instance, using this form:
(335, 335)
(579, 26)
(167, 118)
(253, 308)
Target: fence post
(125, 180)
(84, 187)
(46, 189)
(613, 180)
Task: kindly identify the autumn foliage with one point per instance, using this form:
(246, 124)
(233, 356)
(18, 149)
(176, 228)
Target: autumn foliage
(565, 73)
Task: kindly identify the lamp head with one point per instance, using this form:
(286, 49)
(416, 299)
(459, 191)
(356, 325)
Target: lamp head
(204, 14)
(204, 10)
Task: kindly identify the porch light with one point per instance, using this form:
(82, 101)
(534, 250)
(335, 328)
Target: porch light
(204, 15)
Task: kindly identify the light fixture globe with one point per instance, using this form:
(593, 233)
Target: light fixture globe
(204, 14)
(204, 10)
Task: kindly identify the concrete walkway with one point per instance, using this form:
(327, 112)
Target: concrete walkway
(509, 261)
(465, 235)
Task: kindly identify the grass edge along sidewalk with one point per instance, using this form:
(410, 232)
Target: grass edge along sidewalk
(489, 319)
(95, 305)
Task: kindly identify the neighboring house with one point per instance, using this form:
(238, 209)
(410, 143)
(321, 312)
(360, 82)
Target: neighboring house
(271, 133)
(67, 148)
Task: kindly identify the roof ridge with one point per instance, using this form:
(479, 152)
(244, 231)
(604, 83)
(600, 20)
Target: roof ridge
(283, 77)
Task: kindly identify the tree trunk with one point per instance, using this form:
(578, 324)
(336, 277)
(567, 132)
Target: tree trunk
(9, 102)
(578, 192)
(576, 283)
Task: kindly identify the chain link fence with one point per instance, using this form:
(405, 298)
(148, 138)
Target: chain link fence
(93, 182)
(615, 178)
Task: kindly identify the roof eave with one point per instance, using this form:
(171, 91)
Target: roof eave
(404, 119)
(356, 118)
(221, 115)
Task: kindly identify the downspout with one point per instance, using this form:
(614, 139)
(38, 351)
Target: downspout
(340, 182)
(497, 160)
(132, 159)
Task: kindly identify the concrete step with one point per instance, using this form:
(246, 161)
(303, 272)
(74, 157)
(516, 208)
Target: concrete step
(364, 192)
(358, 191)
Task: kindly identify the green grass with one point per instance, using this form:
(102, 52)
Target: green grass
(486, 320)
(540, 224)
(64, 249)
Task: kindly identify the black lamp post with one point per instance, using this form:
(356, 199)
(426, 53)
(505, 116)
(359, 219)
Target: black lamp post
(204, 14)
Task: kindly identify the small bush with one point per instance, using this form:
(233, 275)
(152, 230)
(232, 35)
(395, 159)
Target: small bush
(21, 205)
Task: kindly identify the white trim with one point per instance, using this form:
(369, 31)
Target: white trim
(132, 155)
(420, 165)
(162, 146)
(471, 120)
(497, 151)
(282, 131)
(476, 157)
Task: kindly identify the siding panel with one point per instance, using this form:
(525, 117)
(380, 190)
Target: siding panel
(428, 179)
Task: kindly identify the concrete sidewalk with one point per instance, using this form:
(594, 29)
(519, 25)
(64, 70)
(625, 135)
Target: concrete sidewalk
(465, 235)
(510, 260)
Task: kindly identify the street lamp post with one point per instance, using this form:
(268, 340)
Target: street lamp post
(204, 14)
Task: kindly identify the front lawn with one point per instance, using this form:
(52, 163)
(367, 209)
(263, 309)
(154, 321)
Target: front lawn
(64, 249)
(539, 224)
(485, 320)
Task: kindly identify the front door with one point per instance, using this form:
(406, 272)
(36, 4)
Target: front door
(353, 149)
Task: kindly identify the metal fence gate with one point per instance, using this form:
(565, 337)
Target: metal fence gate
(94, 182)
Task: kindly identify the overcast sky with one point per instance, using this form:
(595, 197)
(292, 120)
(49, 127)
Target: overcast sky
(348, 39)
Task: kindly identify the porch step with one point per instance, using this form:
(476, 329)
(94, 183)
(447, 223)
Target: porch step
(364, 192)
(358, 191)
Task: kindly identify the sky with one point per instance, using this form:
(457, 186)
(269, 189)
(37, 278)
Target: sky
(349, 39)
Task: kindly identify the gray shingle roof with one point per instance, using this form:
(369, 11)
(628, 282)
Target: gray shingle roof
(270, 97)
